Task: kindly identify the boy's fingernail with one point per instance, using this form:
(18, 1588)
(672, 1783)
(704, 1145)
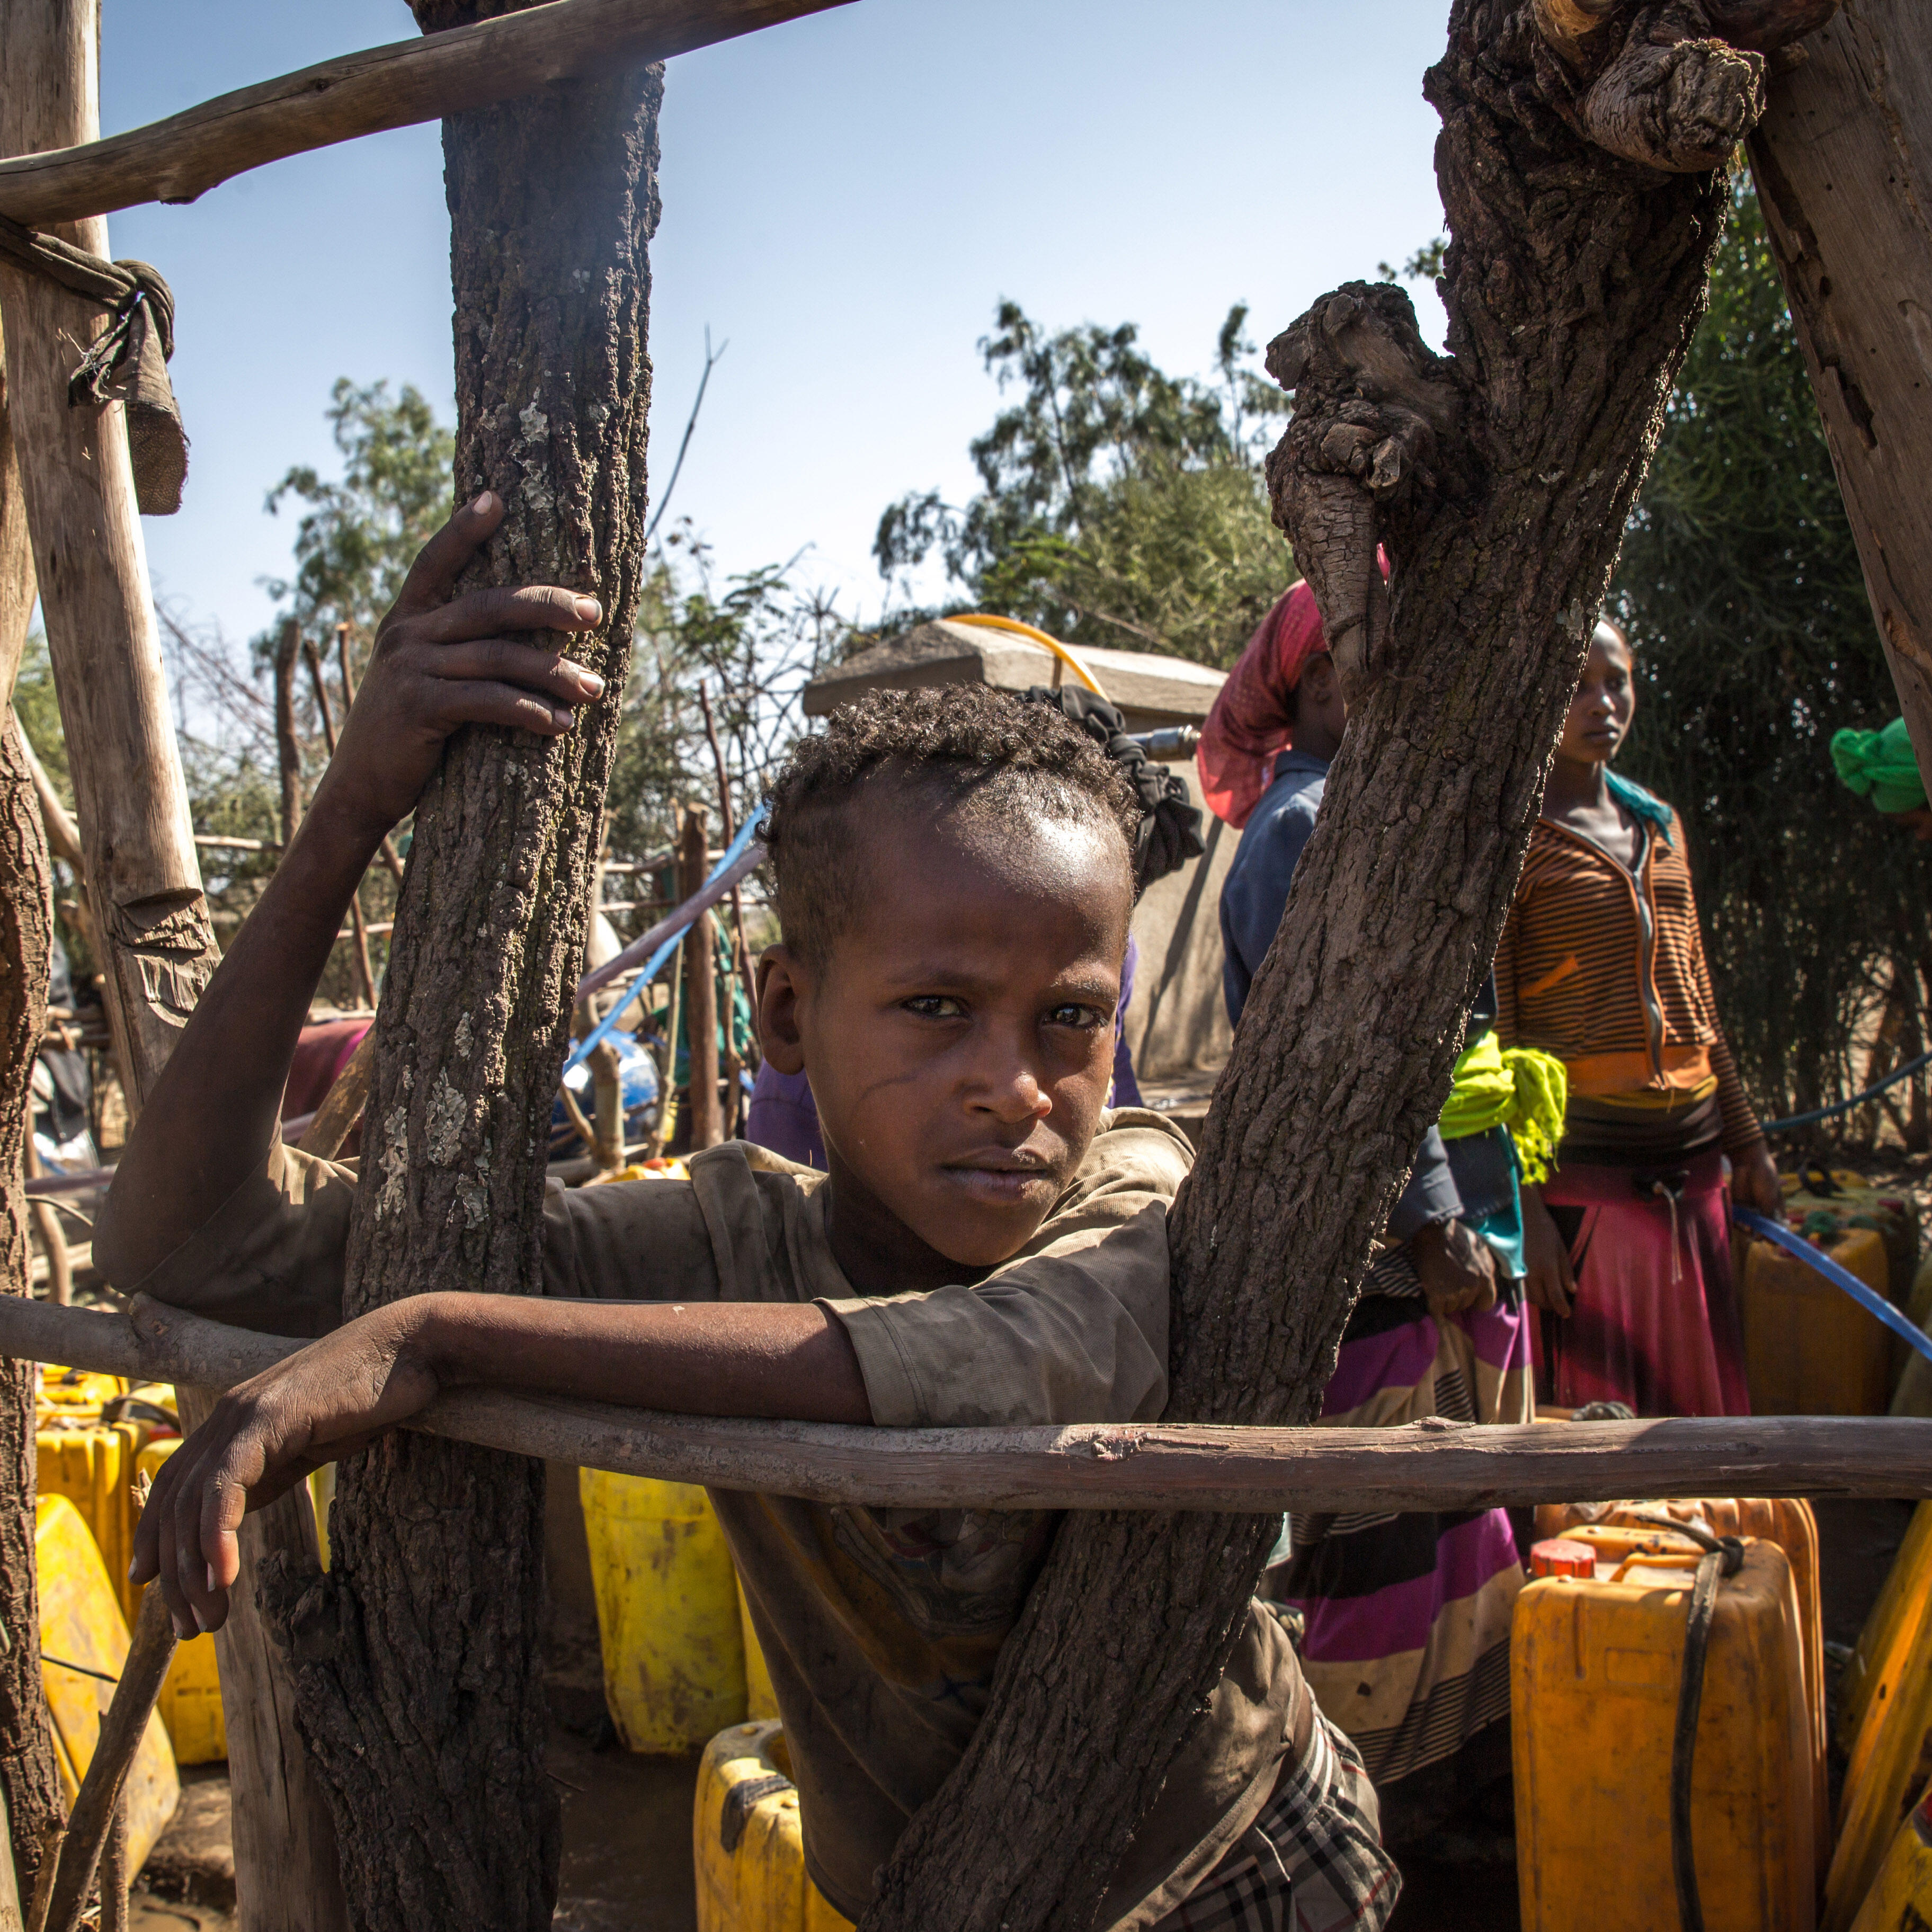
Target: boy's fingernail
(483, 502)
(591, 682)
(202, 1623)
(589, 610)
(132, 1562)
(212, 1585)
(565, 719)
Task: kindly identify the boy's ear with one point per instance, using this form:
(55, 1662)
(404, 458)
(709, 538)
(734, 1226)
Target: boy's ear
(781, 985)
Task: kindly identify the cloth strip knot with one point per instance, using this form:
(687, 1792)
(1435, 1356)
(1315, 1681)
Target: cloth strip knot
(128, 363)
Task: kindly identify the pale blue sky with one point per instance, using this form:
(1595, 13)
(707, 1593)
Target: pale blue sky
(845, 198)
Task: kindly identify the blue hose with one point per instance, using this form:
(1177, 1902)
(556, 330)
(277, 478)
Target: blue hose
(1839, 1277)
(582, 1051)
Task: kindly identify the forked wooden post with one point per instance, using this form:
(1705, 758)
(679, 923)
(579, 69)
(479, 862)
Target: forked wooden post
(144, 878)
(1842, 160)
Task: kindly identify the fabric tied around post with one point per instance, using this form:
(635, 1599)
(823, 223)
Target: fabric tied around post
(128, 363)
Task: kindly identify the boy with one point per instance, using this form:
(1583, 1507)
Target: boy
(954, 879)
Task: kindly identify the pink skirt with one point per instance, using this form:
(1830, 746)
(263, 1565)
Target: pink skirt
(1654, 1322)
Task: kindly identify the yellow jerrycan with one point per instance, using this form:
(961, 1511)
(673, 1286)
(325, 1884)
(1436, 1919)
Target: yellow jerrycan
(1810, 1349)
(760, 1699)
(190, 1700)
(667, 1611)
(1884, 1771)
(1871, 1678)
(1788, 1521)
(91, 1463)
(1900, 1901)
(83, 1645)
(1595, 1669)
(747, 1852)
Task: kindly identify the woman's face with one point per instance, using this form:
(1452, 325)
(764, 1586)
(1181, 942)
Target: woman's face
(1606, 701)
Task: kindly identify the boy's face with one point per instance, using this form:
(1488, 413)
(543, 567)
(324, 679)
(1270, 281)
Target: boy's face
(959, 1039)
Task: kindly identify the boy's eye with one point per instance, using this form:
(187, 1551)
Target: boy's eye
(935, 1006)
(1073, 1015)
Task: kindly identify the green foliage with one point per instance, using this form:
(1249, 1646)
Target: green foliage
(1119, 505)
(751, 646)
(1424, 266)
(1741, 587)
(356, 541)
(37, 708)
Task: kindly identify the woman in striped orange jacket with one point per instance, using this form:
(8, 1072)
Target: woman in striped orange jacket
(1602, 963)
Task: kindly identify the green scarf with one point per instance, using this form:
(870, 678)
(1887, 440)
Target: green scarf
(1880, 765)
(1516, 1088)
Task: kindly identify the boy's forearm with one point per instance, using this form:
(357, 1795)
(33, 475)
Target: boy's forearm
(209, 1121)
(783, 1361)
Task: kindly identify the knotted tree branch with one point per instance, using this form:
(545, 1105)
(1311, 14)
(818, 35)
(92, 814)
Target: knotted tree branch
(1499, 482)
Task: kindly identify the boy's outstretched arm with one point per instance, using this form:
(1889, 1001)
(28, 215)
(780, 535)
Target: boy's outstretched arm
(782, 1359)
(438, 663)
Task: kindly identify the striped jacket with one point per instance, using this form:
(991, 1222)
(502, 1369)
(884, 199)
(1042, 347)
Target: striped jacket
(1606, 971)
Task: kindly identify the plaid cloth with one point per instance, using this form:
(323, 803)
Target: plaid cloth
(1312, 1861)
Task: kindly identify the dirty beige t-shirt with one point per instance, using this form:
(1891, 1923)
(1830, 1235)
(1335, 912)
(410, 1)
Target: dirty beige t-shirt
(880, 1627)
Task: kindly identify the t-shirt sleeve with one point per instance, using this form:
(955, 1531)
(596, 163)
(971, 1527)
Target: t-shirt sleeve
(271, 1258)
(1073, 1330)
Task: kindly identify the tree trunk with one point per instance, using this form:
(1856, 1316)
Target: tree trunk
(28, 1781)
(141, 877)
(1499, 481)
(1842, 161)
(700, 989)
(419, 1692)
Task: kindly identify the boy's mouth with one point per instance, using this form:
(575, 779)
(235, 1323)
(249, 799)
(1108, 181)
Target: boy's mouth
(1001, 1176)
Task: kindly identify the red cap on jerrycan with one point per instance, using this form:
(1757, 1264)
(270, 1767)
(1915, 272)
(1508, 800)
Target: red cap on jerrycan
(1558, 1558)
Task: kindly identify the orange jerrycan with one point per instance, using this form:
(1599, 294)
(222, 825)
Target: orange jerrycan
(1901, 1899)
(1810, 1349)
(1870, 1680)
(1595, 1669)
(746, 1847)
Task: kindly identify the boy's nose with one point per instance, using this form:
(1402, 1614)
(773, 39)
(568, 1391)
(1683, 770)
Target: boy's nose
(1018, 1096)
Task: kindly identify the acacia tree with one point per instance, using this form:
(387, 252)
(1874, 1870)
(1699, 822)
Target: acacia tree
(416, 1655)
(1580, 164)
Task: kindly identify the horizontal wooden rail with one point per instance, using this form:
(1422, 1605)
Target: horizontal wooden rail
(1137, 1465)
(184, 156)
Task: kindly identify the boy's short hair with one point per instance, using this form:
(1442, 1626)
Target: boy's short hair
(945, 746)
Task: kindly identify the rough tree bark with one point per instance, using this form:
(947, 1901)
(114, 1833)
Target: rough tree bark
(27, 1776)
(1848, 133)
(416, 1655)
(1576, 164)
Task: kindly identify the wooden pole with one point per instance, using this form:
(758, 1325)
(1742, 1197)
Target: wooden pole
(740, 952)
(1148, 1466)
(1842, 160)
(288, 746)
(144, 880)
(155, 944)
(701, 990)
(391, 857)
(149, 1653)
(365, 976)
(394, 86)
